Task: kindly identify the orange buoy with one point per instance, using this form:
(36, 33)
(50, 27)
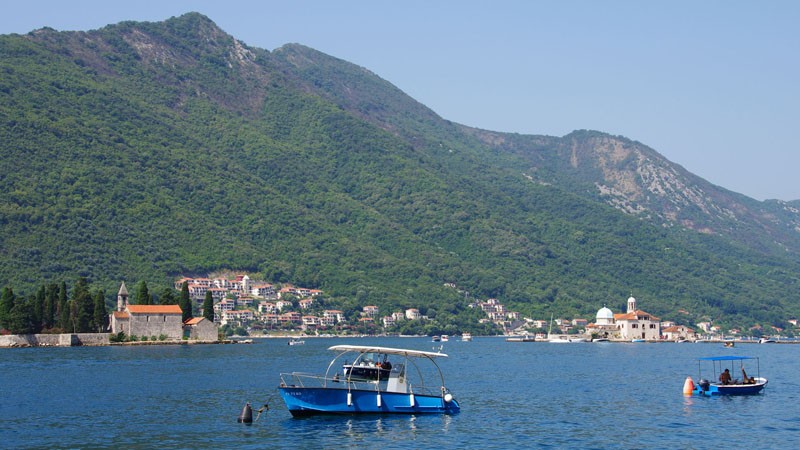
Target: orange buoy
(688, 386)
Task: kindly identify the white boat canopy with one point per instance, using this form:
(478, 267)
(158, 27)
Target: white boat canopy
(386, 350)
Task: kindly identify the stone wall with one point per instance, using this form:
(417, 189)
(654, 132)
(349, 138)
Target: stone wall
(149, 325)
(53, 340)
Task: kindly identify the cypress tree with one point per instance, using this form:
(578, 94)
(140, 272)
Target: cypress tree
(63, 308)
(38, 309)
(185, 302)
(100, 322)
(7, 301)
(83, 307)
(142, 296)
(21, 317)
(72, 320)
(208, 307)
(168, 297)
(50, 306)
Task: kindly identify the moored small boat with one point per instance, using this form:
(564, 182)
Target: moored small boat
(371, 383)
(521, 338)
(726, 384)
(296, 342)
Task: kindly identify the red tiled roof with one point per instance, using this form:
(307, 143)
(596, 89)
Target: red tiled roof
(194, 320)
(154, 309)
(635, 315)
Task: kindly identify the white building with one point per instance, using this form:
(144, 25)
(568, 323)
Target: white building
(604, 325)
(413, 314)
(637, 324)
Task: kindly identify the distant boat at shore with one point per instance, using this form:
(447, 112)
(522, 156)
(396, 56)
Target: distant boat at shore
(521, 338)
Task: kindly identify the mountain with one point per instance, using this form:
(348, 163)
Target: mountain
(142, 151)
(637, 180)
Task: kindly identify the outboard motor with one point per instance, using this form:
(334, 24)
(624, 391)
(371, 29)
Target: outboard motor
(704, 384)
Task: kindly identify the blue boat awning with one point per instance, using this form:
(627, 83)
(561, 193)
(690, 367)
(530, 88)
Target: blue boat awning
(726, 358)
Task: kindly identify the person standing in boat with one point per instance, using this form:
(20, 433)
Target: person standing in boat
(725, 377)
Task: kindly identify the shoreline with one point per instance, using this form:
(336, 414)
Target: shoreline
(103, 339)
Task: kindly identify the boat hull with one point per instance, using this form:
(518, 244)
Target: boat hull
(730, 389)
(304, 401)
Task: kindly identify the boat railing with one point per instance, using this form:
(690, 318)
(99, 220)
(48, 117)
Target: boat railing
(300, 379)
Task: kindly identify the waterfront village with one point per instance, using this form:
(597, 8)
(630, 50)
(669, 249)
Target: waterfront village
(248, 308)
(256, 307)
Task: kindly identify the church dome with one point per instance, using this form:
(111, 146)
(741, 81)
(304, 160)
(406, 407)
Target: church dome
(604, 314)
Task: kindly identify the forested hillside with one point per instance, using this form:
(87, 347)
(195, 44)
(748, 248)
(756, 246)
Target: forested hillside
(142, 151)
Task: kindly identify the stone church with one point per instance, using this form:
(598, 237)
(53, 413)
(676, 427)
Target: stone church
(146, 320)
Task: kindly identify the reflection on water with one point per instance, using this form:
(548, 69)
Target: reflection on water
(688, 402)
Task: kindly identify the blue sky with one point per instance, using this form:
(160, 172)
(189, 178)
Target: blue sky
(713, 85)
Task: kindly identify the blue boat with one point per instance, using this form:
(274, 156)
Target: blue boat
(378, 380)
(725, 383)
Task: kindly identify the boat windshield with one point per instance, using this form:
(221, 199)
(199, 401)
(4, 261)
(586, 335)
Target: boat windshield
(370, 359)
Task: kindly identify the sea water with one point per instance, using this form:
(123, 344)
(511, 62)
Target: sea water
(512, 395)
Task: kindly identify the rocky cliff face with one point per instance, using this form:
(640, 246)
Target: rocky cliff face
(636, 179)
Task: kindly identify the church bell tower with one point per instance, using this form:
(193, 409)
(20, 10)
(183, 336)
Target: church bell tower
(122, 298)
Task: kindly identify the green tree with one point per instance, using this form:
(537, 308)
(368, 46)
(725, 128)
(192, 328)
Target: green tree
(38, 309)
(100, 322)
(49, 316)
(82, 312)
(208, 306)
(186, 302)
(21, 318)
(7, 301)
(72, 321)
(63, 308)
(168, 297)
(142, 296)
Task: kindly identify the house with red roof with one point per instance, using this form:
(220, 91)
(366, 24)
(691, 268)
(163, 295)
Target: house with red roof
(146, 320)
(637, 324)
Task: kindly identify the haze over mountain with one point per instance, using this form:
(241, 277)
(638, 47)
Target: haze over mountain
(149, 150)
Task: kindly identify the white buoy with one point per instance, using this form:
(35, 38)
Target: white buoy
(379, 400)
(688, 386)
(411, 399)
(349, 399)
(448, 397)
